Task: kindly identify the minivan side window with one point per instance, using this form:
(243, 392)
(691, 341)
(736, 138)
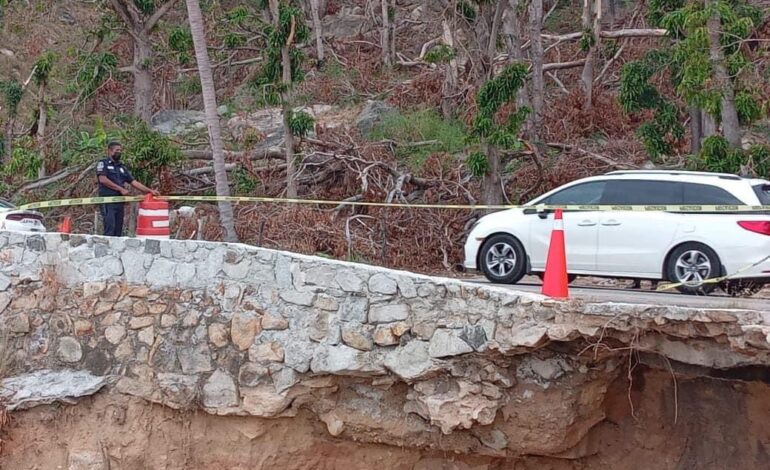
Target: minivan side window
(763, 193)
(580, 194)
(642, 193)
(708, 195)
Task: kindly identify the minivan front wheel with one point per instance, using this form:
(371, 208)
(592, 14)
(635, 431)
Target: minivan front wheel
(502, 259)
(691, 264)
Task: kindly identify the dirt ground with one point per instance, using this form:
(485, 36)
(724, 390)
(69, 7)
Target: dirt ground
(690, 423)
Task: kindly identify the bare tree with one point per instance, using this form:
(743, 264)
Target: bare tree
(730, 125)
(288, 137)
(592, 16)
(317, 30)
(139, 25)
(212, 118)
(536, 56)
(512, 33)
(386, 40)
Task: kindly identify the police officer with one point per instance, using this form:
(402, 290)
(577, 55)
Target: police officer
(113, 177)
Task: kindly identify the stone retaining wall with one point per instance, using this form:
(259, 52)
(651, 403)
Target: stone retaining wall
(233, 329)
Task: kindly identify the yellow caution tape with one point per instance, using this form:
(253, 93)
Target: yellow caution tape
(271, 200)
(713, 280)
(83, 201)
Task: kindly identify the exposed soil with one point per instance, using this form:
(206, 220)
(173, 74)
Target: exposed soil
(691, 423)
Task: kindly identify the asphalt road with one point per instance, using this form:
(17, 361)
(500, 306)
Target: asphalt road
(648, 297)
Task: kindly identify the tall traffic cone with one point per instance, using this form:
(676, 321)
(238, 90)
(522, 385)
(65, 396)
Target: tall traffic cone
(65, 226)
(555, 280)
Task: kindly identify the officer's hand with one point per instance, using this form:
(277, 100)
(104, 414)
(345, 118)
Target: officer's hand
(155, 192)
(124, 191)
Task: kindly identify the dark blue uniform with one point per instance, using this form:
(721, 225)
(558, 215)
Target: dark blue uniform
(112, 214)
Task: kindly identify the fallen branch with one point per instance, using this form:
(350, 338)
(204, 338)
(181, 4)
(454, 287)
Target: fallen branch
(620, 33)
(609, 63)
(271, 152)
(595, 156)
(80, 178)
(42, 182)
(563, 65)
(227, 63)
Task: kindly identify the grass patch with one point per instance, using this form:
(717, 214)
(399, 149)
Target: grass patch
(420, 134)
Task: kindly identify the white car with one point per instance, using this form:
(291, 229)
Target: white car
(19, 220)
(678, 247)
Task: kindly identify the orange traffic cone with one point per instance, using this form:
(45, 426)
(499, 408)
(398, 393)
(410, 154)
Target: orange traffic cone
(555, 279)
(65, 226)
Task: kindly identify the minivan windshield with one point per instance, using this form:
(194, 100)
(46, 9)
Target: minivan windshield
(763, 193)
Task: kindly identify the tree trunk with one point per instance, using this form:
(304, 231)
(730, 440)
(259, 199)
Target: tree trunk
(512, 33)
(385, 35)
(318, 30)
(451, 78)
(491, 189)
(286, 78)
(143, 86)
(730, 125)
(708, 125)
(392, 35)
(696, 129)
(612, 10)
(212, 118)
(288, 137)
(42, 120)
(592, 14)
(536, 55)
(8, 147)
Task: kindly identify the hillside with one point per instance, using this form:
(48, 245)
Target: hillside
(401, 125)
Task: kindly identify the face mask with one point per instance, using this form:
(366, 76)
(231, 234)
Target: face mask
(117, 156)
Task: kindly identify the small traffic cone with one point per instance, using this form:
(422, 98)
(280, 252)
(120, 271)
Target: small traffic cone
(65, 226)
(555, 279)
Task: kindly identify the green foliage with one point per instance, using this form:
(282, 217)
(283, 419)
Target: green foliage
(657, 9)
(267, 85)
(465, 9)
(181, 42)
(300, 123)
(85, 147)
(749, 109)
(440, 54)
(490, 99)
(587, 40)
(636, 92)
(421, 126)
(233, 40)
(716, 155)
(148, 152)
(145, 6)
(43, 67)
(25, 160)
(12, 94)
(93, 71)
(238, 16)
(477, 164)
(688, 62)
(243, 182)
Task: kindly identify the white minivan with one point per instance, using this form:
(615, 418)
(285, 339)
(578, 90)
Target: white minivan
(685, 248)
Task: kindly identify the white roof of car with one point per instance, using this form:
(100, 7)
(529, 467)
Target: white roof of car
(737, 185)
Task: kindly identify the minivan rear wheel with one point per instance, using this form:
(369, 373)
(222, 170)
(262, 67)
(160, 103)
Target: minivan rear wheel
(503, 259)
(691, 264)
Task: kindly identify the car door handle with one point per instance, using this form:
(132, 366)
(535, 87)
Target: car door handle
(611, 223)
(586, 223)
